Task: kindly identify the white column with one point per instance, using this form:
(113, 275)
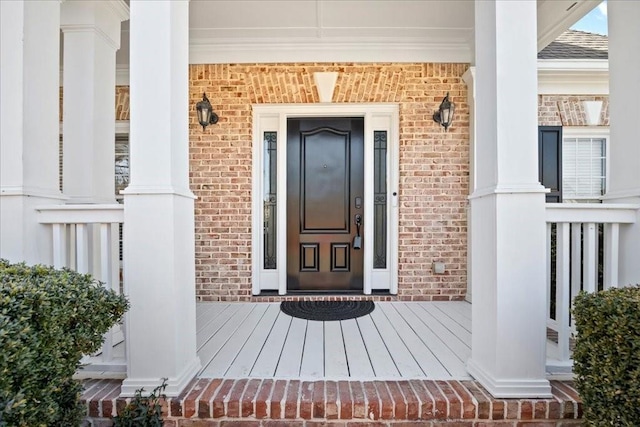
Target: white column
(29, 129)
(469, 78)
(507, 206)
(624, 112)
(91, 36)
(159, 207)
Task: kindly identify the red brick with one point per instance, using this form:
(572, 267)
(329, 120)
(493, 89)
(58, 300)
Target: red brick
(198, 423)
(218, 405)
(455, 402)
(189, 405)
(536, 424)
(291, 402)
(483, 402)
(332, 408)
(233, 401)
(98, 391)
(540, 410)
(399, 404)
(427, 404)
(287, 423)
(526, 410)
(441, 404)
(306, 400)
(373, 400)
(386, 404)
(346, 402)
(318, 400)
(263, 399)
(359, 402)
(497, 409)
(277, 399)
(512, 411)
(247, 401)
(413, 405)
(240, 423)
(176, 403)
(204, 401)
(108, 403)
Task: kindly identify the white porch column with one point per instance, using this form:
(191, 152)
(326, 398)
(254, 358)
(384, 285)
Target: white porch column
(624, 111)
(159, 207)
(91, 32)
(29, 129)
(507, 206)
(469, 78)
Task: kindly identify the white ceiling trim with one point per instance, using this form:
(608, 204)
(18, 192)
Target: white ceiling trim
(216, 52)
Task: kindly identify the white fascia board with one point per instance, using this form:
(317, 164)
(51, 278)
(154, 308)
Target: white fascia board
(573, 77)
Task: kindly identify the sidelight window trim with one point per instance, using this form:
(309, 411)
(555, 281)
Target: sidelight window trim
(273, 118)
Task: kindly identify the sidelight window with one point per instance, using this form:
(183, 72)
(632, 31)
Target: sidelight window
(270, 188)
(380, 199)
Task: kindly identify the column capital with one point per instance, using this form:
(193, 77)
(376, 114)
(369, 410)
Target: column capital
(101, 17)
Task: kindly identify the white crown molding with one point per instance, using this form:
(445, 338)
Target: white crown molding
(573, 77)
(119, 8)
(122, 75)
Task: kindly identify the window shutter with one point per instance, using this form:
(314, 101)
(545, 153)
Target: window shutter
(550, 161)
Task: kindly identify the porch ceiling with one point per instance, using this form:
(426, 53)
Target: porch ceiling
(232, 31)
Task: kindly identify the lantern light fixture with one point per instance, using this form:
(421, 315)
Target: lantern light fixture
(444, 115)
(206, 115)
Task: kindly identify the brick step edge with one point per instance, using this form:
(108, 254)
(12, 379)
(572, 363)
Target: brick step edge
(258, 401)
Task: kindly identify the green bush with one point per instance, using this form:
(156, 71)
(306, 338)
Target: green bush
(607, 356)
(48, 319)
(143, 411)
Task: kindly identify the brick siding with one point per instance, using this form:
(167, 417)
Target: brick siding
(567, 110)
(271, 402)
(434, 166)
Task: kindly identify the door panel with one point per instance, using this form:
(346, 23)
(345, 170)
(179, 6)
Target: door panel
(325, 171)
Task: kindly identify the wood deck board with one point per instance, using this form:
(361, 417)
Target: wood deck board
(397, 340)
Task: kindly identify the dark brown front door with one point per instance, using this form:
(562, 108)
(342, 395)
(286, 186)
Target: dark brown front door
(325, 192)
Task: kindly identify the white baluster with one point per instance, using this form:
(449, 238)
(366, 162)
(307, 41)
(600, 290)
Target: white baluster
(82, 249)
(576, 259)
(58, 245)
(611, 248)
(590, 261)
(549, 269)
(563, 301)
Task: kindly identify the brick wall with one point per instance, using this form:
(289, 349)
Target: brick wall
(567, 110)
(434, 166)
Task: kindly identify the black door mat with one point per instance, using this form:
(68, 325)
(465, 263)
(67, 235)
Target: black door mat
(327, 310)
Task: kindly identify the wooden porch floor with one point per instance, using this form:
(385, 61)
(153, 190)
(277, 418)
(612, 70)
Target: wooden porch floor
(398, 340)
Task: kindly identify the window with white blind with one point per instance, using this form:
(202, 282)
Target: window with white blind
(584, 167)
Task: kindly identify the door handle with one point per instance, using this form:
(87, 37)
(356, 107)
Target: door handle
(357, 241)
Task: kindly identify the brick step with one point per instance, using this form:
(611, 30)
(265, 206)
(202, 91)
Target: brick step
(272, 403)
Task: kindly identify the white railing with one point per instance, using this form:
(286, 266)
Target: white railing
(584, 237)
(86, 238)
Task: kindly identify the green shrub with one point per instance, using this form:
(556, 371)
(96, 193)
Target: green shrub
(143, 411)
(607, 356)
(48, 319)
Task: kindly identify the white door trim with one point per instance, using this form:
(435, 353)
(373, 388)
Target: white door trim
(273, 118)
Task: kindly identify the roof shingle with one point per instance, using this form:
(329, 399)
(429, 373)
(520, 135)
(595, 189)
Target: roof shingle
(573, 44)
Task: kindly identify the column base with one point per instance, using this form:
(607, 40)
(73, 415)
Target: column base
(174, 384)
(509, 388)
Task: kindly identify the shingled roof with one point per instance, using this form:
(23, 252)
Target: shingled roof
(573, 44)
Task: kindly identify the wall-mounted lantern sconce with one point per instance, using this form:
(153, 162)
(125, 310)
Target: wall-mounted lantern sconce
(444, 115)
(206, 116)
